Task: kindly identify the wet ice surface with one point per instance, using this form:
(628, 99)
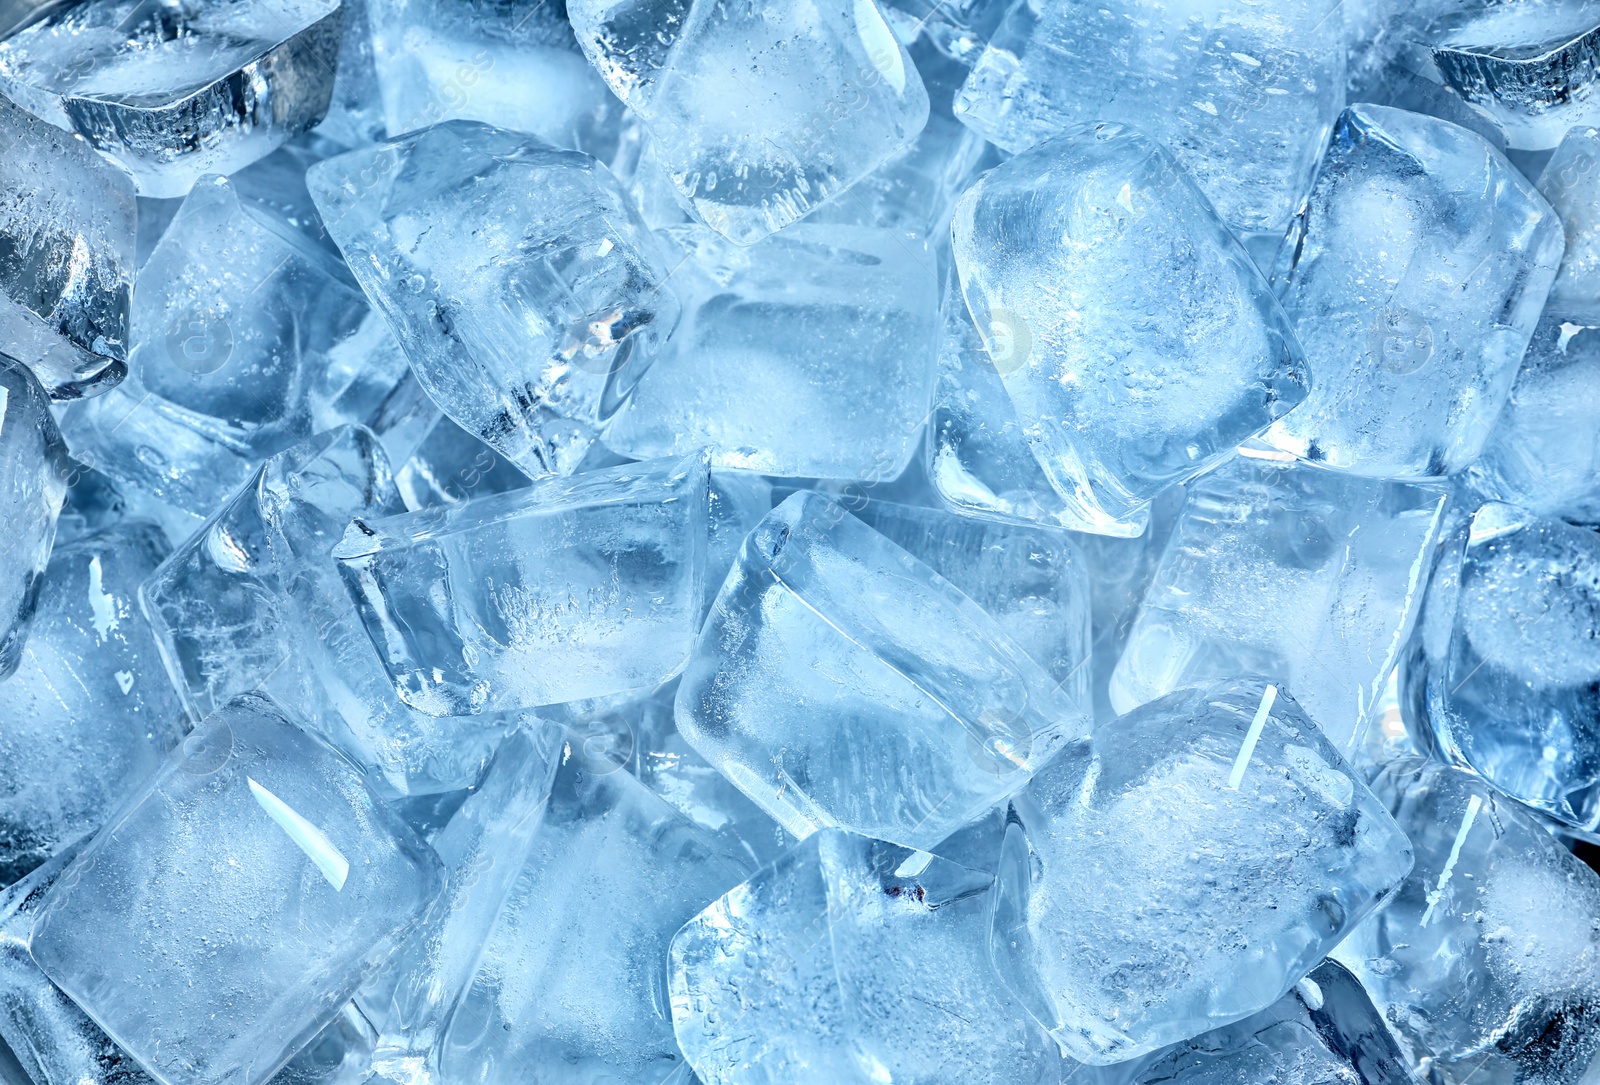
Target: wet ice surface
(692, 542)
(176, 91)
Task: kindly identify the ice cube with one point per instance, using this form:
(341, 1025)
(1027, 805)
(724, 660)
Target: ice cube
(513, 64)
(34, 470)
(978, 456)
(1033, 581)
(252, 601)
(573, 587)
(838, 964)
(249, 338)
(1530, 68)
(1136, 339)
(1241, 92)
(571, 984)
(484, 847)
(450, 466)
(958, 29)
(915, 192)
(1571, 182)
(355, 106)
(522, 285)
(176, 92)
(1310, 577)
(1120, 573)
(1486, 960)
(67, 229)
(217, 603)
(1507, 672)
(1544, 451)
(250, 884)
(59, 1045)
(759, 113)
(89, 711)
(1424, 263)
(1325, 1031)
(841, 682)
(834, 322)
(1214, 849)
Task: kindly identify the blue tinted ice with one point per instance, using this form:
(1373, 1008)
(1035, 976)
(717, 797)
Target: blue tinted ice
(759, 113)
(1325, 1031)
(573, 587)
(851, 962)
(249, 338)
(1571, 182)
(1138, 343)
(57, 1043)
(1506, 671)
(1529, 68)
(570, 988)
(1211, 852)
(1485, 962)
(89, 712)
(251, 883)
(792, 320)
(34, 471)
(841, 682)
(1309, 577)
(522, 285)
(1239, 91)
(174, 92)
(1544, 451)
(67, 225)
(514, 64)
(1424, 262)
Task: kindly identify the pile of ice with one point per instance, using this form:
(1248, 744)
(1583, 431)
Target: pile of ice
(799, 542)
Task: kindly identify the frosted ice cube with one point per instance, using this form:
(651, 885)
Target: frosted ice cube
(1507, 670)
(834, 322)
(1033, 581)
(1325, 1031)
(1486, 960)
(1214, 849)
(174, 92)
(1240, 91)
(839, 965)
(249, 338)
(1136, 339)
(1544, 451)
(571, 985)
(1532, 69)
(522, 285)
(573, 587)
(89, 711)
(59, 1045)
(1312, 578)
(841, 682)
(1424, 263)
(250, 883)
(484, 848)
(759, 113)
(67, 231)
(34, 470)
(513, 64)
(1571, 182)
